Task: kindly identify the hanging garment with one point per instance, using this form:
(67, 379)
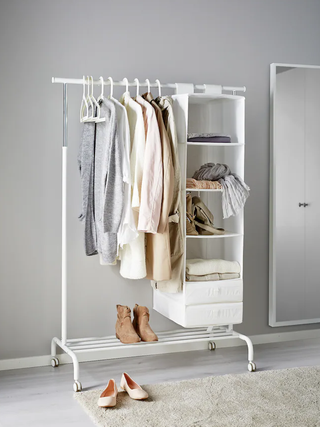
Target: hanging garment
(158, 257)
(151, 189)
(175, 221)
(133, 257)
(108, 183)
(85, 162)
(235, 190)
(127, 230)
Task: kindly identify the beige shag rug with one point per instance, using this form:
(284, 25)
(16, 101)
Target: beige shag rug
(285, 398)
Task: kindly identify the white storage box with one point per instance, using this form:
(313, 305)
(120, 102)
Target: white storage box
(174, 308)
(213, 292)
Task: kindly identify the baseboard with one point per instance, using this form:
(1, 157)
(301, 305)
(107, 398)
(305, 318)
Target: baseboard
(36, 361)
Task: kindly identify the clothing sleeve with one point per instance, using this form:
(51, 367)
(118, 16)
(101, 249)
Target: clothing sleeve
(152, 181)
(114, 191)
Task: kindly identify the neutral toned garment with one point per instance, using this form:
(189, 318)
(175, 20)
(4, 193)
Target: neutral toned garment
(193, 183)
(158, 257)
(127, 230)
(133, 257)
(235, 190)
(201, 267)
(86, 163)
(108, 183)
(175, 221)
(151, 188)
(212, 277)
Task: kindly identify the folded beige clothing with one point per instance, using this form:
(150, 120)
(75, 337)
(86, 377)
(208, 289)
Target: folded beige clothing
(210, 185)
(205, 278)
(212, 277)
(202, 267)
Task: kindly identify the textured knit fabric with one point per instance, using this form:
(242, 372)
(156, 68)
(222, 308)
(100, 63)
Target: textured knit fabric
(152, 180)
(201, 267)
(158, 257)
(133, 257)
(86, 167)
(235, 190)
(108, 183)
(193, 183)
(127, 230)
(175, 223)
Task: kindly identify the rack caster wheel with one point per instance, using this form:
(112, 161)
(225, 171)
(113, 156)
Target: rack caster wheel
(54, 362)
(251, 367)
(77, 386)
(211, 345)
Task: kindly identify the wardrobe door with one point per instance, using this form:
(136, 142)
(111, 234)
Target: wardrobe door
(289, 237)
(312, 195)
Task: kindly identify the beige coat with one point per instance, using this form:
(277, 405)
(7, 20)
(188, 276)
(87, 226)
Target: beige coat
(158, 258)
(175, 222)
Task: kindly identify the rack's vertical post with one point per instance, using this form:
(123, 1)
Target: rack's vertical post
(64, 219)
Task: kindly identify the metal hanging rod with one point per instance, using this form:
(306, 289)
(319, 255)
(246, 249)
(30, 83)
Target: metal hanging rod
(142, 83)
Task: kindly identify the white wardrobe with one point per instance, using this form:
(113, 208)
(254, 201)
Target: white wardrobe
(216, 302)
(295, 196)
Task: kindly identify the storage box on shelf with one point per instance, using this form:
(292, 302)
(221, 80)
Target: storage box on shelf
(209, 303)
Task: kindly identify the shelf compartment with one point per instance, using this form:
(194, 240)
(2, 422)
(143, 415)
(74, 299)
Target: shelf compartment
(210, 292)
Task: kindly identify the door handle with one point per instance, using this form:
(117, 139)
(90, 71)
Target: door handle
(303, 204)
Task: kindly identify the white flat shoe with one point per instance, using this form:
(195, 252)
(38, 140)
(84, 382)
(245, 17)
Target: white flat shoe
(108, 397)
(132, 388)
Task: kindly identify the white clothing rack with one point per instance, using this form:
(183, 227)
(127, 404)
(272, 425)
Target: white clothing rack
(81, 345)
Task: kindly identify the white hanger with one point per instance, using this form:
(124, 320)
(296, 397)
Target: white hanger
(89, 101)
(159, 86)
(138, 84)
(148, 83)
(111, 87)
(98, 119)
(84, 104)
(102, 89)
(127, 83)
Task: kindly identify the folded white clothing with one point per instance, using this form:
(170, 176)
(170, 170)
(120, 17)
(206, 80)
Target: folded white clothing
(201, 267)
(212, 277)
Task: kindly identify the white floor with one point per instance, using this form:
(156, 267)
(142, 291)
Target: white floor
(43, 397)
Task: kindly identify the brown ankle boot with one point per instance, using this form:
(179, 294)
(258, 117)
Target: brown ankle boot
(190, 225)
(124, 329)
(141, 323)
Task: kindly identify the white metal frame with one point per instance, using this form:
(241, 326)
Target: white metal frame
(272, 205)
(73, 346)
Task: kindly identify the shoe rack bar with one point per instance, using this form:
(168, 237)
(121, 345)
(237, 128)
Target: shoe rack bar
(72, 347)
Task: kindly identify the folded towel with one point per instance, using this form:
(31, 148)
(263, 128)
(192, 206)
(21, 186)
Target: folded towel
(201, 267)
(193, 183)
(212, 277)
(209, 137)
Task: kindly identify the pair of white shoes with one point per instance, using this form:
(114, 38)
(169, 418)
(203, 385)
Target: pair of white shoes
(108, 397)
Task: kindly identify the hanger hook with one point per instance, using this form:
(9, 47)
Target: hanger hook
(91, 78)
(125, 80)
(159, 86)
(83, 86)
(148, 83)
(102, 86)
(138, 84)
(111, 86)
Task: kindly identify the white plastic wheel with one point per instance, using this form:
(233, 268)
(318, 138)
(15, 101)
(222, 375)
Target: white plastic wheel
(77, 386)
(54, 362)
(211, 345)
(251, 367)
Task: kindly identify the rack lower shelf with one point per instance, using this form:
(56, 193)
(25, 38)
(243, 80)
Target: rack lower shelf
(110, 344)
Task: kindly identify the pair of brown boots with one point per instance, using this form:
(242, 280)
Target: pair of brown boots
(139, 329)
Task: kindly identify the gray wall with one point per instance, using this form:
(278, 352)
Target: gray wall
(229, 42)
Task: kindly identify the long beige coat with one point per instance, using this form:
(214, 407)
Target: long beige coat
(175, 284)
(158, 257)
